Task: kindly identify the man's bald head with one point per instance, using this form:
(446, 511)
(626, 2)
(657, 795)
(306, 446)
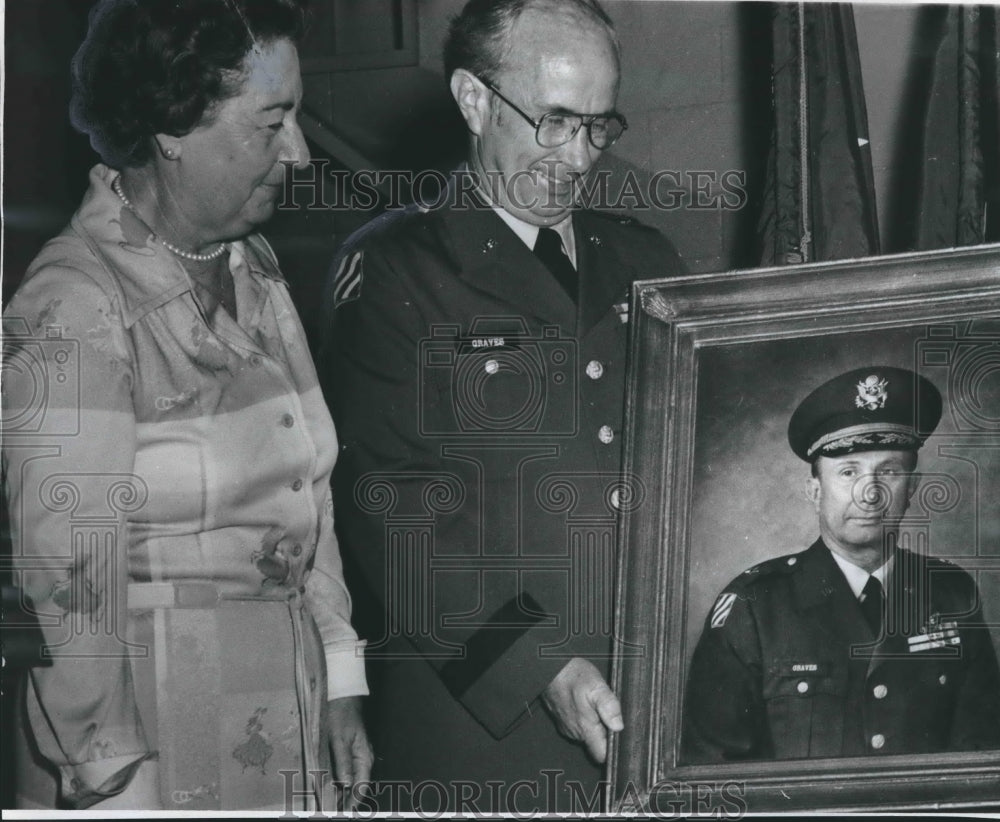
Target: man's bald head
(479, 39)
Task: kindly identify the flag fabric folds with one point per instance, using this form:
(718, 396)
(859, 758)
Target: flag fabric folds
(960, 163)
(819, 196)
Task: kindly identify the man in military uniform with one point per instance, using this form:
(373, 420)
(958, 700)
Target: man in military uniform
(475, 370)
(854, 646)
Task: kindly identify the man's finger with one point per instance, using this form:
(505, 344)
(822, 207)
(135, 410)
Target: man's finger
(362, 762)
(363, 757)
(596, 740)
(609, 709)
(342, 760)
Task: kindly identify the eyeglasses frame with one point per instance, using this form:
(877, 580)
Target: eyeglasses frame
(584, 121)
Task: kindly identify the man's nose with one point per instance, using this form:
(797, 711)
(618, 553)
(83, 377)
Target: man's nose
(578, 153)
(872, 493)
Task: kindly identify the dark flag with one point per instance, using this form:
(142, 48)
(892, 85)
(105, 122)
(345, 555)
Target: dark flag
(959, 174)
(819, 200)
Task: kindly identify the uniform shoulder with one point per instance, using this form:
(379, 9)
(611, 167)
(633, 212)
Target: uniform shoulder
(635, 239)
(391, 236)
(389, 227)
(941, 562)
(620, 222)
(758, 583)
(767, 569)
(951, 573)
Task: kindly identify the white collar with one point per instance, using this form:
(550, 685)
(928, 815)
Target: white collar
(857, 577)
(529, 233)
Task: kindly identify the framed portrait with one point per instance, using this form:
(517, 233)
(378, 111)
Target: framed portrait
(718, 364)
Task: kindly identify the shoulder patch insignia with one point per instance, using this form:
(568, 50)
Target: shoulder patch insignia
(720, 612)
(347, 280)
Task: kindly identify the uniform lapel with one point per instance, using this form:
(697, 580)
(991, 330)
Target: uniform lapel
(905, 593)
(493, 259)
(604, 277)
(823, 593)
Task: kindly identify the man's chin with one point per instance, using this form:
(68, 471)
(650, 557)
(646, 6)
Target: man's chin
(543, 201)
(537, 215)
(562, 197)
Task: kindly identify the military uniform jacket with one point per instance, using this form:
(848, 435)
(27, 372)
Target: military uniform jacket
(787, 667)
(480, 415)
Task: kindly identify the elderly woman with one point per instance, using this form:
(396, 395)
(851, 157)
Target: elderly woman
(167, 449)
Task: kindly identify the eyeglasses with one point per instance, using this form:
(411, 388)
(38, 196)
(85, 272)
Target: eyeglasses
(555, 128)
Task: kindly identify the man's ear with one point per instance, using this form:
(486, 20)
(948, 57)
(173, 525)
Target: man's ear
(473, 99)
(813, 491)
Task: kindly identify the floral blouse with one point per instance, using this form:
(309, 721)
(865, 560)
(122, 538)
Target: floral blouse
(144, 443)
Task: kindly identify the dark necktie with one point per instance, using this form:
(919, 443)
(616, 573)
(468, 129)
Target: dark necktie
(872, 604)
(549, 249)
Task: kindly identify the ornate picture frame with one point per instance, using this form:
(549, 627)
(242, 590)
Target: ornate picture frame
(718, 363)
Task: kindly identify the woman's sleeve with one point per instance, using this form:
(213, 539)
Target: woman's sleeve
(68, 454)
(326, 592)
(330, 604)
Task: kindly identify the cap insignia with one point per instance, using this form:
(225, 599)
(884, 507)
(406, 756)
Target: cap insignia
(872, 393)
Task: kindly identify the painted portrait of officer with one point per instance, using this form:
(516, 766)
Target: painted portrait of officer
(859, 645)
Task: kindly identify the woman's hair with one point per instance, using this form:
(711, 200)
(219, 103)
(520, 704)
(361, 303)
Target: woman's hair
(160, 66)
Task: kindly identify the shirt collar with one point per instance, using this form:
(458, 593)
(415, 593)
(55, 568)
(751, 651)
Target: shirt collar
(529, 232)
(857, 577)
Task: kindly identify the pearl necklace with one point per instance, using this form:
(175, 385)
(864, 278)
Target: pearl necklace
(116, 186)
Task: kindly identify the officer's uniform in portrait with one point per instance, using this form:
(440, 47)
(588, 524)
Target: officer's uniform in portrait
(480, 412)
(787, 666)
(796, 660)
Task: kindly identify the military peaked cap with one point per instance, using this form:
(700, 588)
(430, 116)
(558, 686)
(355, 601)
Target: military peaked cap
(873, 408)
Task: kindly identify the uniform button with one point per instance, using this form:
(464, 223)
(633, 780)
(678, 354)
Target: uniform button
(595, 370)
(296, 550)
(943, 679)
(880, 691)
(802, 687)
(492, 366)
(605, 434)
(297, 485)
(792, 560)
(288, 420)
(878, 741)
